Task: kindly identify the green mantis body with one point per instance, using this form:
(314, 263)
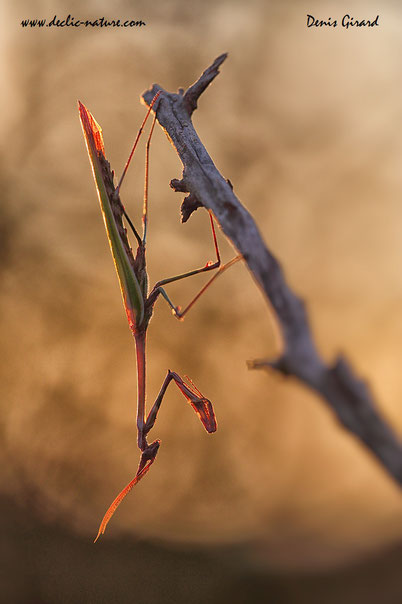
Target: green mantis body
(138, 302)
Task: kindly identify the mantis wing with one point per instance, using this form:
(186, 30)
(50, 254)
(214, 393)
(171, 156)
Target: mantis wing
(130, 288)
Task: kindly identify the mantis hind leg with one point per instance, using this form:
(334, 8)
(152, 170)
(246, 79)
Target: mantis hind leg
(146, 177)
(159, 289)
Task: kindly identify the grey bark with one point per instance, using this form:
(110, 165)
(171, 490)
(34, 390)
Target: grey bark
(348, 397)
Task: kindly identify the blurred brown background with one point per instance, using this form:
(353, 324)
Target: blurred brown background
(280, 504)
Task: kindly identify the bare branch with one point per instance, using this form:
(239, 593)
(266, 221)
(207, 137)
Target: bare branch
(347, 396)
(194, 92)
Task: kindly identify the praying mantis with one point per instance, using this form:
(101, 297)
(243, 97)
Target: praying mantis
(138, 301)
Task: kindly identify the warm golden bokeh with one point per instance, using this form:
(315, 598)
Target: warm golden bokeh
(305, 124)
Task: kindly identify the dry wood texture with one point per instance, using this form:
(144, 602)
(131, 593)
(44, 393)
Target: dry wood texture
(348, 396)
